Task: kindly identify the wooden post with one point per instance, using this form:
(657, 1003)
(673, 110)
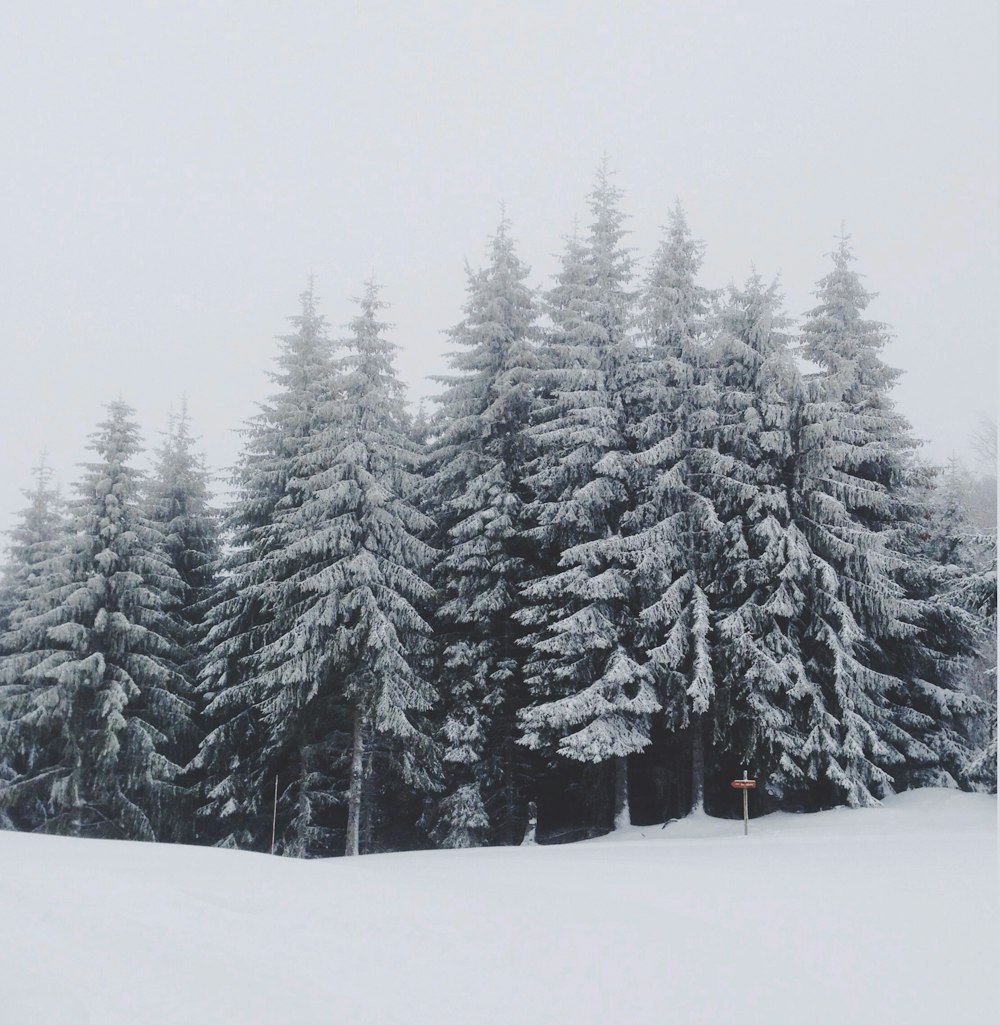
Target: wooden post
(746, 808)
(274, 817)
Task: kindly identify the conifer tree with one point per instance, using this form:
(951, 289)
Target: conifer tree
(94, 682)
(358, 535)
(179, 504)
(332, 565)
(479, 498)
(593, 699)
(238, 759)
(674, 523)
(34, 542)
(34, 567)
(879, 713)
(763, 564)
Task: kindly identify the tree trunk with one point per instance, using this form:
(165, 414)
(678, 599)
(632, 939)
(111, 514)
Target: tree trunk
(697, 766)
(623, 816)
(353, 845)
(510, 826)
(529, 830)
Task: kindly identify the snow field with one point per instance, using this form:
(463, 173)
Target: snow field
(876, 916)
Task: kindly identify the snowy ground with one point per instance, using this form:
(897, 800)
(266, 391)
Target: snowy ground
(883, 916)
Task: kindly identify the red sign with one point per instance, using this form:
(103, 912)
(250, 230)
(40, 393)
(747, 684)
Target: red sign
(743, 784)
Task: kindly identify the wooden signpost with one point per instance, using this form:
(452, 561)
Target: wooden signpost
(746, 785)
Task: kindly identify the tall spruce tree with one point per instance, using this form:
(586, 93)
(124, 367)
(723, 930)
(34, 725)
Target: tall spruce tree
(479, 498)
(337, 571)
(674, 523)
(879, 714)
(94, 687)
(239, 759)
(359, 626)
(592, 697)
(763, 564)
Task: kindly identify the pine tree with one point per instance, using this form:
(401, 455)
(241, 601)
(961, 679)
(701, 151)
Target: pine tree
(955, 570)
(674, 523)
(179, 503)
(479, 499)
(593, 699)
(34, 542)
(336, 573)
(763, 564)
(94, 680)
(359, 626)
(879, 714)
(35, 565)
(239, 759)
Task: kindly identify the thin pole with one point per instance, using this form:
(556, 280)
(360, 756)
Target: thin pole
(746, 809)
(274, 818)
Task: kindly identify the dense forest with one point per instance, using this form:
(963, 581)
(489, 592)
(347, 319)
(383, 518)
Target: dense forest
(648, 537)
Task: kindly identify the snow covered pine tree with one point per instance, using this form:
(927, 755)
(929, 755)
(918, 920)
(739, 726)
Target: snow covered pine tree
(477, 493)
(592, 697)
(242, 754)
(94, 690)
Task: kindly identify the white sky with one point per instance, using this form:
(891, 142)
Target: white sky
(171, 173)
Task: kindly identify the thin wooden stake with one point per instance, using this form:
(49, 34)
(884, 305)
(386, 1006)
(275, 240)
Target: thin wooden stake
(274, 818)
(746, 808)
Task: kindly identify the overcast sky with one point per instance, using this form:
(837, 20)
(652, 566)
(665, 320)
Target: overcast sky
(171, 173)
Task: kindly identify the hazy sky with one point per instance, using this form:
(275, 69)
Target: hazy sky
(171, 173)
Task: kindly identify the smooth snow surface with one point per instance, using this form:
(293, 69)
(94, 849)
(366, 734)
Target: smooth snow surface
(884, 916)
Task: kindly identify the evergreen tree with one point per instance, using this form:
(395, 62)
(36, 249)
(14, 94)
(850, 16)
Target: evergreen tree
(359, 625)
(179, 503)
(34, 542)
(763, 564)
(674, 523)
(338, 573)
(479, 499)
(93, 684)
(34, 567)
(959, 560)
(593, 699)
(239, 759)
(879, 712)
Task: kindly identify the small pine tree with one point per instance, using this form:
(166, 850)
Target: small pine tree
(98, 687)
(35, 566)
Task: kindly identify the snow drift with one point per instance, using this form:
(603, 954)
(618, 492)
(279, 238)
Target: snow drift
(886, 915)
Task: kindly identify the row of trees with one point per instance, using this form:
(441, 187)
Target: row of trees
(648, 537)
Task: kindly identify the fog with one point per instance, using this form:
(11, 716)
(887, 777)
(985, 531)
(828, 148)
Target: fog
(171, 174)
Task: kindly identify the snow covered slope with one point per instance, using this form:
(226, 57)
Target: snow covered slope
(879, 916)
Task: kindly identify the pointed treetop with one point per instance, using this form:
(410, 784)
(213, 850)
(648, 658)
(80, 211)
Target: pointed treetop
(371, 301)
(309, 298)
